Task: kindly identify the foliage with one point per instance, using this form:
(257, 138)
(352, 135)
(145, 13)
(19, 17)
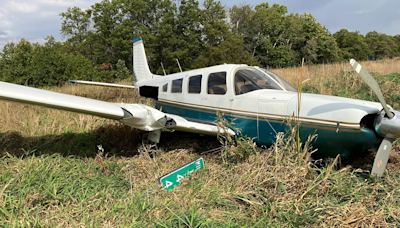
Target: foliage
(382, 45)
(235, 148)
(198, 36)
(75, 24)
(352, 45)
(51, 64)
(277, 39)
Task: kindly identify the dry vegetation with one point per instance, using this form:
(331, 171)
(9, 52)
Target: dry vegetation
(341, 80)
(52, 173)
(328, 71)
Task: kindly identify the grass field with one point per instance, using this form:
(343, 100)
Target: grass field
(53, 174)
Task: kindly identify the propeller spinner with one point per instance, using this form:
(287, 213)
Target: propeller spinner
(387, 122)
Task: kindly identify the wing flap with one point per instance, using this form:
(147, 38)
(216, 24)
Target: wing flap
(185, 125)
(28, 95)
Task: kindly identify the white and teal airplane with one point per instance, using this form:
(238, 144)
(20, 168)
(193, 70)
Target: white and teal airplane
(259, 101)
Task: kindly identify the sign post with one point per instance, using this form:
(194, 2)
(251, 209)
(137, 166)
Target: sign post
(173, 178)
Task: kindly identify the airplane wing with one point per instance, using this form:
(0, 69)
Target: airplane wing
(138, 116)
(29, 95)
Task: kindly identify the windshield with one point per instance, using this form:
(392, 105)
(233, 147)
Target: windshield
(286, 85)
(250, 79)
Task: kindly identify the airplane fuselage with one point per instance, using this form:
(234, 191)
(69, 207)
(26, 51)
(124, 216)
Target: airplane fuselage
(260, 103)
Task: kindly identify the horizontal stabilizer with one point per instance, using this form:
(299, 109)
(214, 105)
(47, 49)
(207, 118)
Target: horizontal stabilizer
(101, 84)
(29, 95)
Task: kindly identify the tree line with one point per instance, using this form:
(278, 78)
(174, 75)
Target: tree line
(98, 42)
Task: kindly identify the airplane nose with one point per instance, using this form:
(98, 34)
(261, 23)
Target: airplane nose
(386, 127)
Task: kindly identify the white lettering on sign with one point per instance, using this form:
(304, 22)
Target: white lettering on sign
(179, 178)
(198, 165)
(168, 183)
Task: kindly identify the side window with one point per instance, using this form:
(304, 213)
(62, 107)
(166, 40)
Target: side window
(217, 83)
(195, 84)
(177, 86)
(165, 88)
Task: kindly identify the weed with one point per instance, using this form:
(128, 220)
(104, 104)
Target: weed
(236, 148)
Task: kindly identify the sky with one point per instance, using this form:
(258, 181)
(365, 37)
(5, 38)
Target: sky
(35, 20)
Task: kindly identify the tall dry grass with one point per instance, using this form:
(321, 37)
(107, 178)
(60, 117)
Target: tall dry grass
(326, 71)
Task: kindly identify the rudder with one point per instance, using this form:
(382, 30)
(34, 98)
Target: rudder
(141, 68)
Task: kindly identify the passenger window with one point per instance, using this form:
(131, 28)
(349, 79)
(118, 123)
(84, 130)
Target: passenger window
(165, 88)
(177, 86)
(217, 83)
(195, 84)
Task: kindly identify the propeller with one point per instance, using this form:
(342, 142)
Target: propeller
(385, 124)
(372, 84)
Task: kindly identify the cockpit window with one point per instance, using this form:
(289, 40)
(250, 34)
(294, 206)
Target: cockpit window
(250, 79)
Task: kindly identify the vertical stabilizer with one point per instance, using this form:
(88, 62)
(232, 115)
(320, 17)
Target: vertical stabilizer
(140, 65)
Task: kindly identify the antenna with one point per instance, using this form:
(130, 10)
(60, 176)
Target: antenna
(177, 60)
(163, 69)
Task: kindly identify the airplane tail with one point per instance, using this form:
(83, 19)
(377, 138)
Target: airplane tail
(140, 65)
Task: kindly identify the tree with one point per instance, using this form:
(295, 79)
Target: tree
(239, 17)
(314, 41)
(16, 61)
(75, 24)
(382, 45)
(396, 40)
(267, 33)
(221, 45)
(352, 45)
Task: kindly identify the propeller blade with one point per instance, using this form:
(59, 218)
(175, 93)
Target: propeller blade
(372, 84)
(382, 157)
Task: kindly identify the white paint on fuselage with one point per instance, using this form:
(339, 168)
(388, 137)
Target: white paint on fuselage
(266, 102)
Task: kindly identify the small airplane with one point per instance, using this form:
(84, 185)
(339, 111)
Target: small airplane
(259, 101)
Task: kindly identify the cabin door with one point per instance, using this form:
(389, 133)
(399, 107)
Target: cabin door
(270, 112)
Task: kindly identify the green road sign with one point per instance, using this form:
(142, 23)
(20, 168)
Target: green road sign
(173, 178)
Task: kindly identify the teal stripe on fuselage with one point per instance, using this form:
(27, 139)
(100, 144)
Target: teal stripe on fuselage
(346, 142)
